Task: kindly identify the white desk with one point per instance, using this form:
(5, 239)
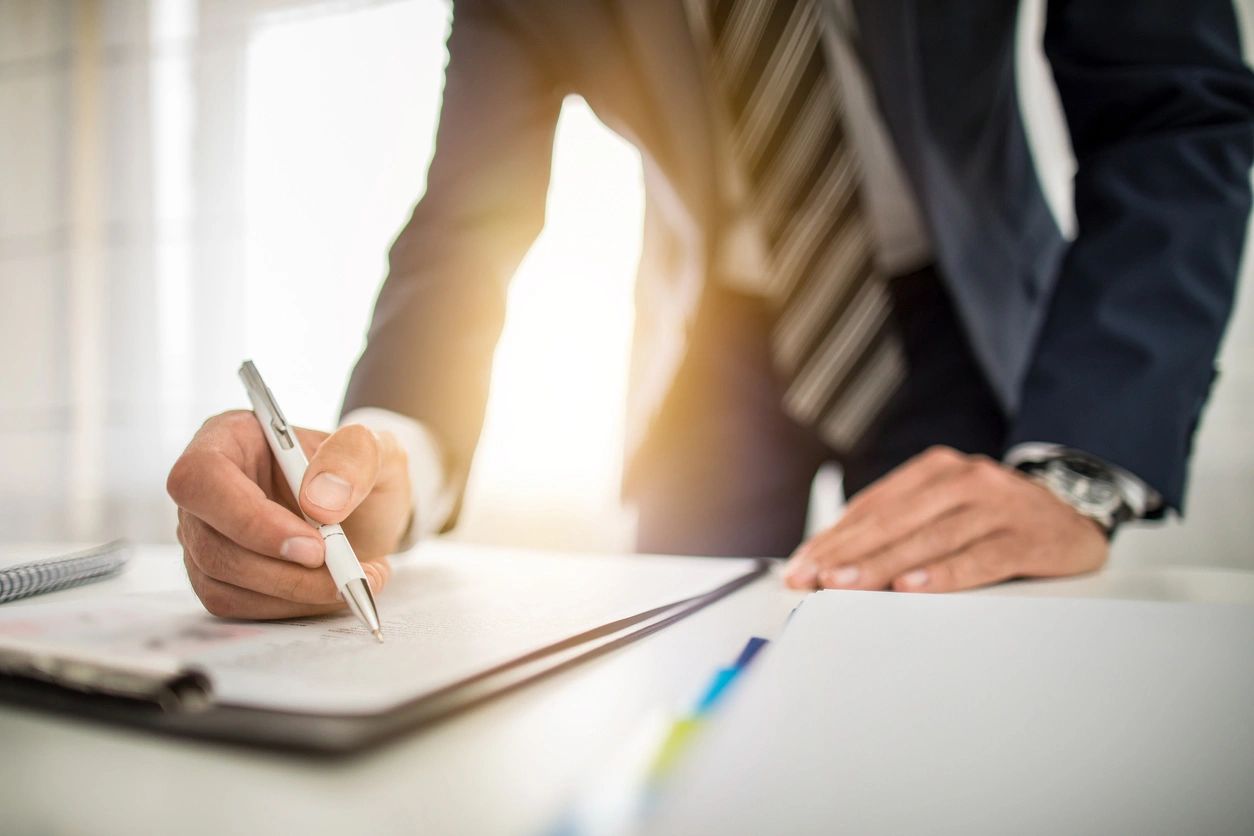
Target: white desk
(508, 767)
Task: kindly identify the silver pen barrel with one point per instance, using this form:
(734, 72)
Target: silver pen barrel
(361, 602)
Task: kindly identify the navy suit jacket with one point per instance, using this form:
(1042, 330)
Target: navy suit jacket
(1105, 344)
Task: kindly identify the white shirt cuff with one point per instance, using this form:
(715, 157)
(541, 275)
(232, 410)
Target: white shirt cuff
(1141, 498)
(433, 501)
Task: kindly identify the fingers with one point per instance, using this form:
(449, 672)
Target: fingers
(209, 482)
(232, 525)
(227, 601)
(378, 573)
(982, 563)
(924, 489)
(908, 478)
(943, 525)
(236, 583)
(917, 523)
(341, 474)
(377, 469)
(221, 559)
(942, 537)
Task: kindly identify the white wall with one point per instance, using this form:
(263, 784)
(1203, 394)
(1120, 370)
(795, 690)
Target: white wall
(179, 173)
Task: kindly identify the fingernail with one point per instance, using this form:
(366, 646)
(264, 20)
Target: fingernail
(329, 491)
(846, 576)
(799, 575)
(303, 550)
(916, 578)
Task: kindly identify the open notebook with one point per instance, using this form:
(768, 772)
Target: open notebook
(462, 625)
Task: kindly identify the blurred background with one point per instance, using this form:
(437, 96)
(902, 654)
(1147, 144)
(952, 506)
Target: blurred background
(186, 183)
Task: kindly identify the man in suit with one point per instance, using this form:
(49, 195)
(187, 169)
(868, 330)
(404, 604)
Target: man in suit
(847, 257)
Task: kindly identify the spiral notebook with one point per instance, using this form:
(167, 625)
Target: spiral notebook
(23, 577)
(463, 625)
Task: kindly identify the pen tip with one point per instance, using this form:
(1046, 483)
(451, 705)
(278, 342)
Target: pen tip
(378, 634)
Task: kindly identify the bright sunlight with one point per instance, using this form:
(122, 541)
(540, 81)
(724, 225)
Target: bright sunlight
(340, 122)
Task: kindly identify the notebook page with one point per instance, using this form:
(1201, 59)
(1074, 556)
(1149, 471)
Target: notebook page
(888, 713)
(449, 612)
(15, 554)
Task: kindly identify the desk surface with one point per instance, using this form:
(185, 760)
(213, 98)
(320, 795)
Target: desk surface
(508, 767)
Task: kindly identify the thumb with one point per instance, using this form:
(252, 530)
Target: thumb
(341, 474)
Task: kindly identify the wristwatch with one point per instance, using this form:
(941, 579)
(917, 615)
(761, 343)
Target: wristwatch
(1088, 486)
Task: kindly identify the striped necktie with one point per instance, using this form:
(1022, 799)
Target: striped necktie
(832, 337)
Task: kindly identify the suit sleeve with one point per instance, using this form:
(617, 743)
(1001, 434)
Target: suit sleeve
(1160, 107)
(439, 315)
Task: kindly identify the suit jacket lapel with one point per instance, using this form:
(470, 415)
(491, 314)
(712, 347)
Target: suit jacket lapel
(676, 110)
(887, 34)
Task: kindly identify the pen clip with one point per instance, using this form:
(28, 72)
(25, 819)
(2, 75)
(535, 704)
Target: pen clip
(261, 393)
(286, 441)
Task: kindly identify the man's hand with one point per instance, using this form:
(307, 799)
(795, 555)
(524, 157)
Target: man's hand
(945, 521)
(248, 552)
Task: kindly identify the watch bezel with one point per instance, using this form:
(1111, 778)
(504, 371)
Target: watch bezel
(1056, 474)
(1067, 471)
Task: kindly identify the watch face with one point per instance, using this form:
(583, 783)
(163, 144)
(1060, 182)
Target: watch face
(1084, 467)
(1090, 486)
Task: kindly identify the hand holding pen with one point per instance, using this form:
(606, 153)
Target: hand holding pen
(247, 549)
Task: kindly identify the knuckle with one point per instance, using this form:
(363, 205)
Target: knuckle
(251, 529)
(213, 598)
(210, 559)
(930, 540)
(217, 601)
(184, 476)
(986, 565)
(230, 424)
(942, 576)
(360, 441)
(830, 561)
(941, 454)
(993, 561)
(977, 474)
(233, 420)
(957, 536)
(307, 586)
(871, 574)
(382, 570)
(373, 577)
(289, 588)
(192, 538)
(985, 467)
(206, 552)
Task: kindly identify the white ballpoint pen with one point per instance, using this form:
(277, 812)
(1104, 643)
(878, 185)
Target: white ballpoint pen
(342, 562)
